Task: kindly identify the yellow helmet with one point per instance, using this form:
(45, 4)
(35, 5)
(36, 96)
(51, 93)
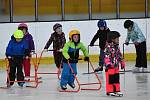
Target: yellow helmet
(18, 34)
(73, 32)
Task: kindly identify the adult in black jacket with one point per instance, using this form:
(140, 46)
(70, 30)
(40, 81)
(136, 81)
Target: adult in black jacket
(102, 36)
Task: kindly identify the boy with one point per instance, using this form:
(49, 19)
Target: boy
(58, 39)
(135, 34)
(112, 59)
(70, 55)
(102, 36)
(16, 50)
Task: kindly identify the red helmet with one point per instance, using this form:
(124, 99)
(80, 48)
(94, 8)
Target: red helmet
(22, 25)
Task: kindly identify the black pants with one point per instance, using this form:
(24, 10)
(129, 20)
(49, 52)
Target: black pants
(58, 58)
(141, 56)
(16, 63)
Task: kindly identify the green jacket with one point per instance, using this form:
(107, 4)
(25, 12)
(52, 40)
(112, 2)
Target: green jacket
(70, 51)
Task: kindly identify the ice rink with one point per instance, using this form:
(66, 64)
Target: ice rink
(135, 86)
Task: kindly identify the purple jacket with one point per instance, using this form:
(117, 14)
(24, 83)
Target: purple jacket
(28, 37)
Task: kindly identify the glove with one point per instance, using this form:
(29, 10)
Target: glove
(69, 59)
(86, 58)
(27, 57)
(91, 45)
(107, 67)
(60, 50)
(122, 65)
(45, 50)
(32, 52)
(127, 43)
(9, 57)
(136, 43)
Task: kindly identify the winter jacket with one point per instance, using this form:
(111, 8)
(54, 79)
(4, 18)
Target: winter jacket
(135, 34)
(71, 52)
(113, 56)
(29, 39)
(17, 49)
(102, 35)
(58, 41)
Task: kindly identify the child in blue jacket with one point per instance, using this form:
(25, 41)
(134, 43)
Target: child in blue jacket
(16, 50)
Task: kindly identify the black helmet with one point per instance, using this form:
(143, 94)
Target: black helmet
(128, 23)
(56, 26)
(112, 35)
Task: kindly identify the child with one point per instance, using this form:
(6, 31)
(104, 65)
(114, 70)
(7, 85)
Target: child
(112, 59)
(58, 39)
(16, 50)
(28, 37)
(135, 34)
(71, 55)
(102, 36)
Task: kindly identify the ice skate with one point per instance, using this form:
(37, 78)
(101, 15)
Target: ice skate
(8, 85)
(21, 84)
(111, 94)
(98, 69)
(119, 94)
(72, 85)
(135, 70)
(63, 87)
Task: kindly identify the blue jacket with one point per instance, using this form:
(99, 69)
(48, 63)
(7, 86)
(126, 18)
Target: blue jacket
(28, 37)
(15, 48)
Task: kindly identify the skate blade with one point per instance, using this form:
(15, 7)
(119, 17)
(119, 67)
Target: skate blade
(116, 95)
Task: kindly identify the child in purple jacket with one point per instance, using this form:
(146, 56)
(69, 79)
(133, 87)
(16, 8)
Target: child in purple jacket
(28, 37)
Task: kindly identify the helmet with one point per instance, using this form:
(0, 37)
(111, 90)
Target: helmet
(112, 35)
(73, 32)
(18, 34)
(22, 25)
(128, 23)
(101, 23)
(56, 26)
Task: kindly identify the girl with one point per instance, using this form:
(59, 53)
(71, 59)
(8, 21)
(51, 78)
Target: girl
(29, 39)
(112, 59)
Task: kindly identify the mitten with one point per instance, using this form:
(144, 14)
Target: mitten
(122, 65)
(86, 59)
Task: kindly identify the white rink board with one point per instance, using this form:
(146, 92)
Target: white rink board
(41, 32)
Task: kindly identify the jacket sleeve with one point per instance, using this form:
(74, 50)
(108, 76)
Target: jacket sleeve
(32, 46)
(9, 49)
(84, 50)
(49, 42)
(121, 60)
(107, 57)
(94, 39)
(65, 51)
(128, 37)
(64, 40)
(26, 47)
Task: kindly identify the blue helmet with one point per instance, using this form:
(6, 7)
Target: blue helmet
(101, 23)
